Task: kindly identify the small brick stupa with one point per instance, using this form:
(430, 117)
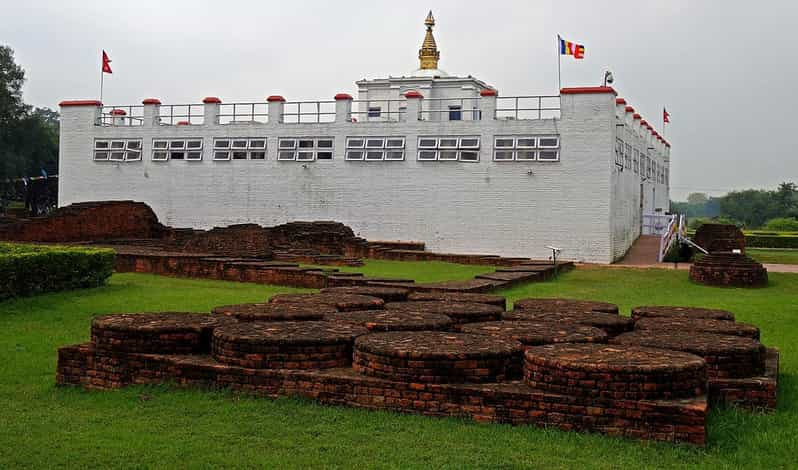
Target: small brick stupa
(726, 264)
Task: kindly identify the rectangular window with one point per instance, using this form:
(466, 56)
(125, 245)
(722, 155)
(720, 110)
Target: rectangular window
(374, 111)
(354, 155)
(194, 144)
(287, 144)
(177, 155)
(239, 144)
(373, 155)
(221, 155)
(355, 142)
(526, 142)
(194, 156)
(257, 155)
(100, 155)
(526, 155)
(286, 155)
(239, 154)
(101, 145)
(427, 143)
(305, 156)
(177, 144)
(468, 156)
(395, 143)
(447, 143)
(395, 155)
(133, 155)
(427, 155)
(375, 143)
(503, 155)
(160, 144)
(117, 156)
(549, 155)
(221, 144)
(504, 142)
(548, 142)
(469, 142)
(447, 155)
(257, 144)
(324, 155)
(455, 113)
(117, 144)
(324, 143)
(306, 143)
(134, 145)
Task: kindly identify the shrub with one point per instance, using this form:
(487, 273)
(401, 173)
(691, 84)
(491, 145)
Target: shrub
(33, 269)
(695, 222)
(782, 224)
(771, 241)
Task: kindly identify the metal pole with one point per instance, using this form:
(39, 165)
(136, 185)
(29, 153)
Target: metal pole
(559, 72)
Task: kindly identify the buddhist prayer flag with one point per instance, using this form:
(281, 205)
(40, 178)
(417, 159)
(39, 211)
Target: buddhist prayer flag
(666, 116)
(571, 48)
(106, 63)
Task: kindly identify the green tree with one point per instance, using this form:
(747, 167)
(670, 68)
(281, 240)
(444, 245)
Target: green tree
(697, 198)
(751, 207)
(787, 199)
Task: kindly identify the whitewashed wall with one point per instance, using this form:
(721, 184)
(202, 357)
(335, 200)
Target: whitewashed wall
(505, 208)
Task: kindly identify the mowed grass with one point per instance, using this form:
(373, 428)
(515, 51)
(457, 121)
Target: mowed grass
(771, 255)
(42, 425)
(419, 271)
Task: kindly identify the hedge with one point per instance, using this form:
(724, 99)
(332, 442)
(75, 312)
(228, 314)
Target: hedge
(771, 241)
(33, 269)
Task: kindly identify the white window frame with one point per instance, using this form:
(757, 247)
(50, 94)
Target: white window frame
(375, 139)
(462, 146)
(556, 155)
(441, 146)
(281, 158)
(434, 155)
(120, 155)
(391, 159)
(349, 153)
(218, 140)
(453, 158)
(521, 151)
(547, 147)
(518, 144)
(496, 145)
(350, 145)
(427, 147)
(401, 142)
(503, 150)
(379, 152)
(325, 139)
(467, 160)
(309, 157)
(252, 146)
(283, 140)
(226, 158)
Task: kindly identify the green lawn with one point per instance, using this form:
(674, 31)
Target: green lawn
(45, 426)
(420, 271)
(773, 255)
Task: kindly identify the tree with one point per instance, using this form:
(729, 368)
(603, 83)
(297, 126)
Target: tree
(752, 207)
(28, 139)
(787, 199)
(697, 198)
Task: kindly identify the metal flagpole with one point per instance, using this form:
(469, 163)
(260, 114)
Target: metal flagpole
(102, 78)
(559, 71)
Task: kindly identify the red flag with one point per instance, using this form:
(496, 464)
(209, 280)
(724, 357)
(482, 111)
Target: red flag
(106, 63)
(666, 116)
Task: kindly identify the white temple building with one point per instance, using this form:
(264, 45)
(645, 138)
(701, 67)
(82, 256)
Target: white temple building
(425, 156)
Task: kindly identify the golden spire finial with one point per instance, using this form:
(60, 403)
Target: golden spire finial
(428, 55)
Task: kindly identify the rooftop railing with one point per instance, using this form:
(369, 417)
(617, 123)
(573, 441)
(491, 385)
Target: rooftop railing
(347, 110)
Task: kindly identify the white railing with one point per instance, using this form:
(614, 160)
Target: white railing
(670, 235)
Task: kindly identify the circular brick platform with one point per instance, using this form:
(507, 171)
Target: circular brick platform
(614, 372)
(489, 299)
(388, 294)
(459, 312)
(537, 333)
(726, 355)
(728, 270)
(613, 324)
(690, 312)
(275, 312)
(393, 320)
(435, 357)
(721, 327)
(157, 333)
(285, 345)
(342, 302)
(564, 306)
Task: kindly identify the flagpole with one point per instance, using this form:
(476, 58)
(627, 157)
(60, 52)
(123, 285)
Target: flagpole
(102, 75)
(559, 71)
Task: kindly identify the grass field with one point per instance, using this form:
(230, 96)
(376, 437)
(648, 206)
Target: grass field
(426, 271)
(143, 427)
(773, 255)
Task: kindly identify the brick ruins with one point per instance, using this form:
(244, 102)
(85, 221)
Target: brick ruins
(726, 264)
(450, 357)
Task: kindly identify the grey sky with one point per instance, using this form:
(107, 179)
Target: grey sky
(724, 69)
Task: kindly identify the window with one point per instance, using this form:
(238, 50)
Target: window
(375, 111)
(449, 148)
(305, 156)
(128, 150)
(305, 149)
(375, 149)
(619, 152)
(286, 155)
(535, 148)
(239, 148)
(455, 113)
(636, 161)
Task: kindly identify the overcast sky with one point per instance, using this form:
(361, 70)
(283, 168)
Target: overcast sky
(726, 70)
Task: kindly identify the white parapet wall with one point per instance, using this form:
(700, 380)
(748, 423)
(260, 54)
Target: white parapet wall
(575, 201)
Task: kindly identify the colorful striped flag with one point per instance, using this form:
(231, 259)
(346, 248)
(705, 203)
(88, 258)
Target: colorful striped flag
(571, 48)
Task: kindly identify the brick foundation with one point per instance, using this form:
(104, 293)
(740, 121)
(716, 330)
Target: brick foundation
(728, 270)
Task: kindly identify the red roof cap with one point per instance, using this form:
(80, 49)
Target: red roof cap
(413, 94)
(275, 98)
(588, 90)
(630, 109)
(183, 123)
(667, 144)
(488, 92)
(620, 101)
(637, 116)
(118, 112)
(645, 123)
(343, 96)
(80, 103)
(211, 100)
(151, 101)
